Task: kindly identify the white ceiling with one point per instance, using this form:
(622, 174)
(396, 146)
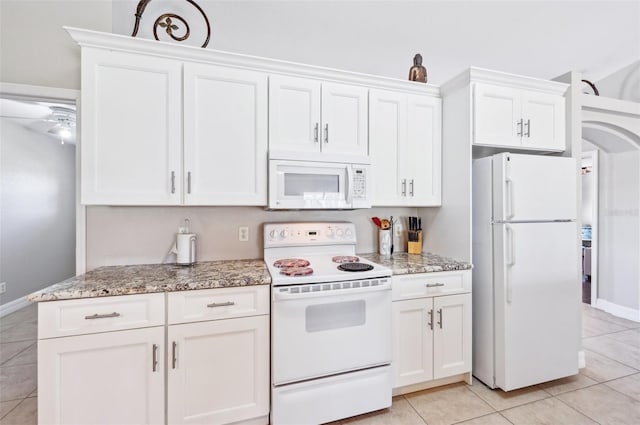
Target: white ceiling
(541, 39)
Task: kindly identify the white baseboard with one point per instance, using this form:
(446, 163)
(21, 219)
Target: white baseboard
(618, 310)
(582, 363)
(14, 305)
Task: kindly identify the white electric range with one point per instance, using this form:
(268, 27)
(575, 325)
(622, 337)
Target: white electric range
(331, 343)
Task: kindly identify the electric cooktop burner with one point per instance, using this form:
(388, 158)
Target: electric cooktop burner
(355, 267)
(291, 262)
(296, 271)
(345, 259)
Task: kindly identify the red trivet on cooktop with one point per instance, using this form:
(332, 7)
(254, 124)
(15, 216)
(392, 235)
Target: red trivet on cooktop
(291, 262)
(345, 259)
(355, 267)
(296, 271)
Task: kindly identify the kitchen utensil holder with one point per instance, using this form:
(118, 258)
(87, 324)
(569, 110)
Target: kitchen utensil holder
(415, 247)
(384, 242)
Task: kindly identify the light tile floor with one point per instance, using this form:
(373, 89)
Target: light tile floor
(607, 391)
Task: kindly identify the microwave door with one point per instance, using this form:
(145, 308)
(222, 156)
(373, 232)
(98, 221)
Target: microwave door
(308, 187)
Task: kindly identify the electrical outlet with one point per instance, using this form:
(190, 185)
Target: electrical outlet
(3, 287)
(243, 233)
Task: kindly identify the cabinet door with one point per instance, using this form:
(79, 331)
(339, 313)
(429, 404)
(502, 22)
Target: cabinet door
(225, 136)
(496, 116)
(105, 378)
(219, 372)
(544, 118)
(294, 114)
(131, 140)
(424, 140)
(387, 144)
(344, 119)
(452, 335)
(412, 341)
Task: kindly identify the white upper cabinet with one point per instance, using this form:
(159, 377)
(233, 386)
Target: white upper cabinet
(294, 114)
(519, 118)
(312, 116)
(225, 136)
(131, 129)
(405, 147)
(544, 127)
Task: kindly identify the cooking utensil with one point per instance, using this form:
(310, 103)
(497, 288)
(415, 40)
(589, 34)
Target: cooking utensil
(377, 221)
(391, 227)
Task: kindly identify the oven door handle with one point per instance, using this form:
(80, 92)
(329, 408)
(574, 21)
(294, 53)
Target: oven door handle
(283, 296)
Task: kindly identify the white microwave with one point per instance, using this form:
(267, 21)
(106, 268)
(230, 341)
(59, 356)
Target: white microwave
(316, 184)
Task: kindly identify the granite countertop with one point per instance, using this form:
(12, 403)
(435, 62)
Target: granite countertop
(404, 263)
(148, 278)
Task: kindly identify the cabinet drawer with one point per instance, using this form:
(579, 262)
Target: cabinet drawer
(431, 284)
(214, 304)
(102, 314)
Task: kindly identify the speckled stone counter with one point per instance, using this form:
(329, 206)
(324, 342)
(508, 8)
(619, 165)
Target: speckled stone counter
(404, 263)
(148, 278)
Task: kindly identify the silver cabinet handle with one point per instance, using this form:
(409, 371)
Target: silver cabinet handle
(430, 324)
(154, 357)
(224, 304)
(411, 187)
(519, 125)
(326, 133)
(173, 182)
(440, 318)
(174, 357)
(527, 127)
(189, 182)
(404, 187)
(434, 285)
(102, 316)
(315, 133)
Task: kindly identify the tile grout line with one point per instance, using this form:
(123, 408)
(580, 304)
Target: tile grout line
(573, 408)
(13, 408)
(414, 409)
(18, 353)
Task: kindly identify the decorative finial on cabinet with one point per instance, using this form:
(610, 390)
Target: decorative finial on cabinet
(417, 71)
(169, 22)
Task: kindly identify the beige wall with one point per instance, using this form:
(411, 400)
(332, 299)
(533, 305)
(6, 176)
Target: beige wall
(144, 235)
(35, 50)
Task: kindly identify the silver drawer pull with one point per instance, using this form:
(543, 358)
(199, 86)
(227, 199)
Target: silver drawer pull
(102, 316)
(434, 285)
(224, 304)
(154, 360)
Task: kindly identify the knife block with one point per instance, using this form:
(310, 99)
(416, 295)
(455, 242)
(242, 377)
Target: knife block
(415, 247)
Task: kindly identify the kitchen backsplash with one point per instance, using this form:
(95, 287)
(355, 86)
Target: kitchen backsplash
(144, 235)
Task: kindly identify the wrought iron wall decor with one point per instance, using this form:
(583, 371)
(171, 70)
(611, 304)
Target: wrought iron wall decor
(169, 21)
(593, 87)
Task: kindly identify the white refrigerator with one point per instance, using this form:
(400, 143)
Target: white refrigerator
(526, 276)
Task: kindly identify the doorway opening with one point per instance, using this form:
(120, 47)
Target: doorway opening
(39, 204)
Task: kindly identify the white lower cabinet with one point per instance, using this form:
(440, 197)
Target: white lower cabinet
(218, 371)
(432, 334)
(103, 378)
(213, 352)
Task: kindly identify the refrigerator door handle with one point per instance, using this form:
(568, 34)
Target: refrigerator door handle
(511, 260)
(509, 192)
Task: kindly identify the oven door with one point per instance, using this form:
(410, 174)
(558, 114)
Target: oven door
(323, 333)
(308, 185)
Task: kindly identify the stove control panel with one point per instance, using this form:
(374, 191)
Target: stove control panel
(309, 233)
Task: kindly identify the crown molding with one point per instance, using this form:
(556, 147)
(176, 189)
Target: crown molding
(481, 75)
(95, 39)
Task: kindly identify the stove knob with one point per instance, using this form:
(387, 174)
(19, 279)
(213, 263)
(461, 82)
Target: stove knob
(340, 233)
(273, 234)
(329, 233)
(284, 234)
(348, 233)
